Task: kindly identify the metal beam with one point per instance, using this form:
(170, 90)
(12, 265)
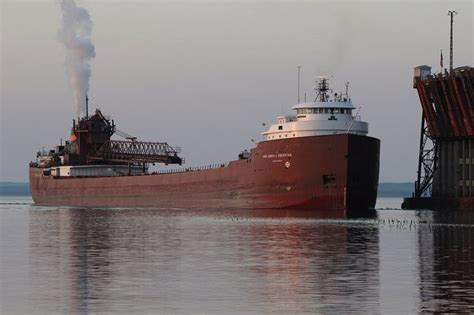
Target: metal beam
(466, 115)
(427, 162)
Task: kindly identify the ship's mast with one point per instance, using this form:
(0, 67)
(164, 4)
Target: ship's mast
(87, 106)
(299, 72)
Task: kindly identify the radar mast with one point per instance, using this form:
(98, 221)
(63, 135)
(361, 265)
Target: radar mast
(322, 89)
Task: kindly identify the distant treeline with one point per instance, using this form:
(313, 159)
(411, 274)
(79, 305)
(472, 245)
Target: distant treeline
(396, 189)
(14, 189)
(385, 189)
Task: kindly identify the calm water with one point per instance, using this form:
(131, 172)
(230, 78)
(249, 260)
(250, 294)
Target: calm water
(67, 260)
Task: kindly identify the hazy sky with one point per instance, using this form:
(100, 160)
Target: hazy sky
(204, 75)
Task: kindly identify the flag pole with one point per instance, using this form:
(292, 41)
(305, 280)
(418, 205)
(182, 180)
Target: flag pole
(441, 60)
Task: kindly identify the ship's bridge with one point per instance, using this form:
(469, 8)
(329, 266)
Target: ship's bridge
(325, 116)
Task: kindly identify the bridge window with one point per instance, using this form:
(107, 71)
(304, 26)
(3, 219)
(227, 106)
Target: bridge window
(280, 127)
(300, 111)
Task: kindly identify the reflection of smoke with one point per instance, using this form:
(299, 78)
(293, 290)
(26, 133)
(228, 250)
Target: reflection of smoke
(75, 35)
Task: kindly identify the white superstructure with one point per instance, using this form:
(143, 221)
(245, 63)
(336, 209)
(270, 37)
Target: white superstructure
(324, 116)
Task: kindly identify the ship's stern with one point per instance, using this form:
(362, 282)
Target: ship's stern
(34, 180)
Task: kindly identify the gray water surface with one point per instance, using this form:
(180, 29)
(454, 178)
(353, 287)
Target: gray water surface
(69, 260)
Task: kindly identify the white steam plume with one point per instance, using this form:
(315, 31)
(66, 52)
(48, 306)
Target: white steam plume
(75, 34)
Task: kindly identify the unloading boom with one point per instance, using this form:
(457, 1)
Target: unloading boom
(137, 152)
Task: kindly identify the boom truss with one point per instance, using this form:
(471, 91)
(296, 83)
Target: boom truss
(137, 152)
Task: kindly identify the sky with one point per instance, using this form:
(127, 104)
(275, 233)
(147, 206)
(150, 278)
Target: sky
(205, 75)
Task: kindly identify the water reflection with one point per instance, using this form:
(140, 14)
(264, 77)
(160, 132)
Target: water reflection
(446, 261)
(174, 261)
(206, 261)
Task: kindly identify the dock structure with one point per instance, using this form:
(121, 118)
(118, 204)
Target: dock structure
(446, 167)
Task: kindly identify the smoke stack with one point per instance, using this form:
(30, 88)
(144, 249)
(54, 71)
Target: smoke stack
(75, 35)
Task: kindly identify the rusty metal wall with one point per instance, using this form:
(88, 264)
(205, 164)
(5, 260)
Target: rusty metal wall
(447, 100)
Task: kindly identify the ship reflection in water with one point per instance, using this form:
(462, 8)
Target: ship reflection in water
(177, 261)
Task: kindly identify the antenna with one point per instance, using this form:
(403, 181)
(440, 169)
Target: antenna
(347, 89)
(87, 106)
(451, 13)
(299, 72)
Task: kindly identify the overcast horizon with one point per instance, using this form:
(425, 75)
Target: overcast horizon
(205, 75)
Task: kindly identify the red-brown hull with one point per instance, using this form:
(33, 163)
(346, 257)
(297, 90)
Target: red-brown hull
(336, 172)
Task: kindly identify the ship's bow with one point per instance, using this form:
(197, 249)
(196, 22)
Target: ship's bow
(362, 173)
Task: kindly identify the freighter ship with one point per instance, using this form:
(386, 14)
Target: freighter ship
(320, 159)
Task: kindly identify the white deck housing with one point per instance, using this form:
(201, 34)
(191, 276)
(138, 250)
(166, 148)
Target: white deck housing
(322, 117)
(95, 170)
